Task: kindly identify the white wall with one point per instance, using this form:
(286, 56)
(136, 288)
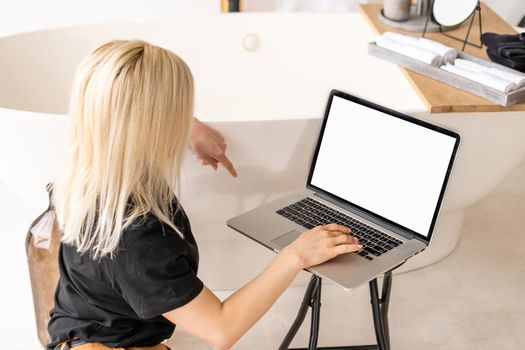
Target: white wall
(511, 10)
(27, 15)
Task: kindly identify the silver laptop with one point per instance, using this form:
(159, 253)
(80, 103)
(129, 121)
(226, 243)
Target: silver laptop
(379, 172)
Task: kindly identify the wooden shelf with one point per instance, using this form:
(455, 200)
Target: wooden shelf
(440, 97)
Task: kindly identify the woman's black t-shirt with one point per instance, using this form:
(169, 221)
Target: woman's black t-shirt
(119, 301)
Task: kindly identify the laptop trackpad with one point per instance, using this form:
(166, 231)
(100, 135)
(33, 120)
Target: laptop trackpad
(287, 238)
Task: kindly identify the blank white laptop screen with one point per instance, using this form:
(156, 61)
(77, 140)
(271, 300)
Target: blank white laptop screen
(389, 166)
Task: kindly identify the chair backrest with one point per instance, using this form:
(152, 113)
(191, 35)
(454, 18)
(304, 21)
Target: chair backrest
(43, 271)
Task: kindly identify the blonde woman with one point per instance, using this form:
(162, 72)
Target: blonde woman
(128, 260)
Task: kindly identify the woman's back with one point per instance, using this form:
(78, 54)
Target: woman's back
(119, 301)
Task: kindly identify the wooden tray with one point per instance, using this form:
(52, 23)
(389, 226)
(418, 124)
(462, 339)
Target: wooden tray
(493, 95)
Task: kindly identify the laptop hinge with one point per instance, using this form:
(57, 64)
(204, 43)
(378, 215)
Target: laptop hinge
(368, 216)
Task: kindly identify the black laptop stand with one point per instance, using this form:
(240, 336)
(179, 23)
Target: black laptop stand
(312, 298)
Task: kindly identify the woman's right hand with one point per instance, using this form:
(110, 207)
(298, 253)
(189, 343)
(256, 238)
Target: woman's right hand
(223, 323)
(322, 243)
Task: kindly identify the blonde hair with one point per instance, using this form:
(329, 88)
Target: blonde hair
(130, 115)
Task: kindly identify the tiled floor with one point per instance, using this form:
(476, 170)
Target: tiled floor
(473, 299)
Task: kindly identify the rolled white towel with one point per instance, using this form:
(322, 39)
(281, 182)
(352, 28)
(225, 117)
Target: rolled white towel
(448, 54)
(516, 78)
(481, 77)
(410, 51)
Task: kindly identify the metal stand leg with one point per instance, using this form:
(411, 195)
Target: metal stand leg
(385, 303)
(301, 314)
(380, 311)
(316, 313)
(429, 14)
(312, 298)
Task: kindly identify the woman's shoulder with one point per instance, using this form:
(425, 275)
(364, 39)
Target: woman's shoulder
(150, 232)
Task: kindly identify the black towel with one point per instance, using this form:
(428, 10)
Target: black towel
(517, 64)
(506, 49)
(511, 51)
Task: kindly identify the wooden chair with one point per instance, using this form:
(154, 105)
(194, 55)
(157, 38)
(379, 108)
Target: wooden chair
(43, 271)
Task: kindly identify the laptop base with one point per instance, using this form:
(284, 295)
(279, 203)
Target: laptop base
(312, 298)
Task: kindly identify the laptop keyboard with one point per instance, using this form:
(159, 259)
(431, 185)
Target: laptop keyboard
(310, 213)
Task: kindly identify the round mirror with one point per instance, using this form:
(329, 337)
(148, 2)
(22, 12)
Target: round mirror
(450, 13)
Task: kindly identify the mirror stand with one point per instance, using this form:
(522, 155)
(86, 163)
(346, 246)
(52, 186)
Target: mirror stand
(465, 40)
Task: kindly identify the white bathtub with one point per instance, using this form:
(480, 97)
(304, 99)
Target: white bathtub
(267, 102)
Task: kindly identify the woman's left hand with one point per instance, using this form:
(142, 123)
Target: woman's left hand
(209, 147)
